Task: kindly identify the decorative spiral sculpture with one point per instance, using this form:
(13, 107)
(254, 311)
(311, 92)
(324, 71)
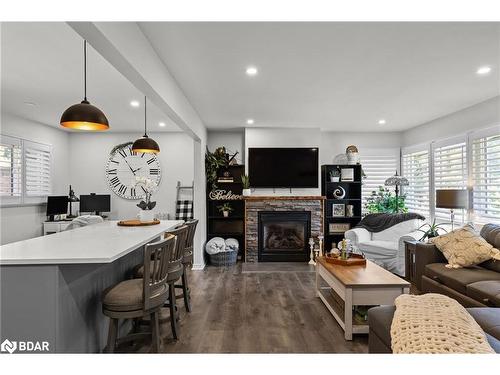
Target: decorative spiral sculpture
(339, 192)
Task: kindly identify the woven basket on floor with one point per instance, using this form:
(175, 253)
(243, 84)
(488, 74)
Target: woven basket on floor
(223, 259)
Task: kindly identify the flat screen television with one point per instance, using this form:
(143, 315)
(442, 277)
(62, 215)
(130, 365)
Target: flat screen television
(283, 167)
(95, 203)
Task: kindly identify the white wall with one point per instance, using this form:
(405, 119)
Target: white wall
(478, 116)
(334, 143)
(89, 155)
(20, 223)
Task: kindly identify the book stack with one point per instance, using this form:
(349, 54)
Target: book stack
(225, 179)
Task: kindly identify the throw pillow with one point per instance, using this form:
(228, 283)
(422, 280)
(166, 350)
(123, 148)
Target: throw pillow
(464, 248)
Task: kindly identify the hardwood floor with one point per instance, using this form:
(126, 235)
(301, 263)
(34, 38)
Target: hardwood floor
(256, 312)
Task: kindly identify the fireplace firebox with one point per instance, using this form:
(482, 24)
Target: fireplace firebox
(283, 236)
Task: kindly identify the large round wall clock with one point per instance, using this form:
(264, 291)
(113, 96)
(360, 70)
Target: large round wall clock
(123, 168)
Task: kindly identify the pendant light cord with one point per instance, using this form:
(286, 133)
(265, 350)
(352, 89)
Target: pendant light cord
(145, 120)
(85, 69)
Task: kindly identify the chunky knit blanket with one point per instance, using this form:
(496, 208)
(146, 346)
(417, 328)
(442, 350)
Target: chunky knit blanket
(434, 323)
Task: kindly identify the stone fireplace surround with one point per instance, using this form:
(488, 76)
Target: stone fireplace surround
(254, 204)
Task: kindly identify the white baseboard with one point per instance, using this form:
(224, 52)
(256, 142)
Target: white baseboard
(198, 267)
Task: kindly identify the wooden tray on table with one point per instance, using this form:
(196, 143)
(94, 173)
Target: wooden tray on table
(137, 223)
(353, 260)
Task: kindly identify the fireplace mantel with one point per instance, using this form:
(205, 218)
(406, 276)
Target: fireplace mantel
(258, 203)
(284, 197)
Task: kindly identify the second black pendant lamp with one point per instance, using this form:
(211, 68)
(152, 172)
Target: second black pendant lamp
(84, 116)
(145, 144)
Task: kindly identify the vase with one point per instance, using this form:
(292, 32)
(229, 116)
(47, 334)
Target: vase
(146, 215)
(225, 213)
(246, 192)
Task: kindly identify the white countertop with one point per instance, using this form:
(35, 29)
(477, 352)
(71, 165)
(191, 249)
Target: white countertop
(97, 243)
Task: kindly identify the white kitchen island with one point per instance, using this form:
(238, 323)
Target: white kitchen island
(51, 286)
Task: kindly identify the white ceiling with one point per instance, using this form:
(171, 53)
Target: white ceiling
(43, 63)
(337, 76)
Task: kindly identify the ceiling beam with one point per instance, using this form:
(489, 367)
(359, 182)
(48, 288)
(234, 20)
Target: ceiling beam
(128, 50)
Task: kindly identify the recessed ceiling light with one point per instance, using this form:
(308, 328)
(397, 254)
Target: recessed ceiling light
(483, 70)
(381, 122)
(251, 71)
(135, 103)
(162, 124)
(250, 121)
(30, 103)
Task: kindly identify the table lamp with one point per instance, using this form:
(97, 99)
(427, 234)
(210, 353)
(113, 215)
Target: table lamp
(397, 181)
(72, 198)
(451, 199)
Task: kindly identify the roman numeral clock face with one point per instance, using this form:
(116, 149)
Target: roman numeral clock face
(124, 166)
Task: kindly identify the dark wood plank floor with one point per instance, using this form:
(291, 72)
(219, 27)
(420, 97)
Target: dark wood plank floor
(235, 312)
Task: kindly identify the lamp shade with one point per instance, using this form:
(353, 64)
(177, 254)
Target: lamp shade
(84, 116)
(451, 198)
(146, 145)
(396, 181)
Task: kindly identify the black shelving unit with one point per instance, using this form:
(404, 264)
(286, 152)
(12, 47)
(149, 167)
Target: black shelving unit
(352, 197)
(234, 225)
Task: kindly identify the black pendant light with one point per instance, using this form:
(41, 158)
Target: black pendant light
(84, 116)
(145, 144)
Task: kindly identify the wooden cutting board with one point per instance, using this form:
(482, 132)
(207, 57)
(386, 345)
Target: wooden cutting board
(137, 223)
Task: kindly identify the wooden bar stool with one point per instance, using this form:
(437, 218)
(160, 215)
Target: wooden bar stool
(174, 273)
(137, 298)
(187, 261)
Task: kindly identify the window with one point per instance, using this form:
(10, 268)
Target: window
(486, 178)
(415, 167)
(10, 170)
(25, 171)
(450, 172)
(378, 165)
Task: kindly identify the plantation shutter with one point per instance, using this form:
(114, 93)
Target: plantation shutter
(37, 169)
(486, 177)
(10, 170)
(378, 165)
(415, 167)
(450, 172)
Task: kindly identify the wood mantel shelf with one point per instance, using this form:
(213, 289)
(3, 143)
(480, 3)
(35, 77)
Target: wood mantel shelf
(284, 197)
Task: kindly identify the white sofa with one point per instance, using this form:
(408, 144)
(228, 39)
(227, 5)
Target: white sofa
(386, 248)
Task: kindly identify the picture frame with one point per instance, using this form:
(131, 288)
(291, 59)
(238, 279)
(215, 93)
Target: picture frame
(337, 228)
(347, 174)
(338, 210)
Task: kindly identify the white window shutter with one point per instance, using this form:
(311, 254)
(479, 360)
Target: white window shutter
(450, 172)
(37, 169)
(10, 170)
(415, 167)
(486, 178)
(378, 165)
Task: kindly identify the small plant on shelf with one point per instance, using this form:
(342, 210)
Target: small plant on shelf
(334, 175)
(245, 181)
(431, 230)
(225, 209)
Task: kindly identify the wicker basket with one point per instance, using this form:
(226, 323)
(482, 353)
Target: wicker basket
(224, 259)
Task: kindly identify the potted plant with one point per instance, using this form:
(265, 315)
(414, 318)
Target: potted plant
(384, 200)
(334, 175)
(431, 230)
(225, 209)
(146, 213)
(245, 180)
(213, 162)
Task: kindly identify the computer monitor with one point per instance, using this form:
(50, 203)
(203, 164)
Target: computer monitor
(57, 205)
(95, 203)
